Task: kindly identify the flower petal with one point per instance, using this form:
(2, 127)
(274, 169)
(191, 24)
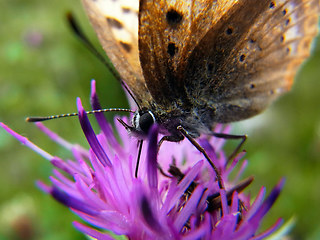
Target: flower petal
(91, 137)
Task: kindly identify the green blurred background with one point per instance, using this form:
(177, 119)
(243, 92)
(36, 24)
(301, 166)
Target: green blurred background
(44, 68)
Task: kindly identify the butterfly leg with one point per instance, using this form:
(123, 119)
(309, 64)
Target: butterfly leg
(201, 149)
(170, 138)
(140, 143)
(231, 136)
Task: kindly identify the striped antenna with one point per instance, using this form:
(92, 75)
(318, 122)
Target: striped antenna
(41, 119)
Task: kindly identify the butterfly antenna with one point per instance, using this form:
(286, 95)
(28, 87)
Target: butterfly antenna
(84, 39)
(41, 119)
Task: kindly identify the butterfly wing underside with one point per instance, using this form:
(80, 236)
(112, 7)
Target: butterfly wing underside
(116, 24)
(251, 58)
(168, 33)
(230, 59)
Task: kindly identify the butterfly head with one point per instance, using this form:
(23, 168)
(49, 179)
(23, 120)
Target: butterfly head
(142, 122)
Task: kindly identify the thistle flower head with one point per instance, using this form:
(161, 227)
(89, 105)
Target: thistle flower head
(175, 196)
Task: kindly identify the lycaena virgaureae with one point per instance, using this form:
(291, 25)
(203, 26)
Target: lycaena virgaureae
(192, 63)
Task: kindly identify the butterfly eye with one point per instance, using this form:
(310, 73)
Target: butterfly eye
(146, 120)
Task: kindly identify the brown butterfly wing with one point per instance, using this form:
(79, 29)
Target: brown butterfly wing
(250, 57)
(116, 24)
(228, 60)
(168, 33)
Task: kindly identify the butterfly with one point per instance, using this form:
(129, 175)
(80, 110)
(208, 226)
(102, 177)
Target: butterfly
(190, 64)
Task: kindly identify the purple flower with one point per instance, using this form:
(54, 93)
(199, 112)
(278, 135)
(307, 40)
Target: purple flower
(175, 196)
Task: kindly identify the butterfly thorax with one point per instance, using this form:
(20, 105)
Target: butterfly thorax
(194, 120)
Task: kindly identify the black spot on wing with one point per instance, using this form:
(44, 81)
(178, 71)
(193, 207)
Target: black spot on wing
(288, 50)
(172, 49)
(287, 21)
(284, 12)
(272, 5)
(173, 17)
(114, 22)
(242, 57)
(282, 38)
(229, 31)
(126, 10)
(126, 46)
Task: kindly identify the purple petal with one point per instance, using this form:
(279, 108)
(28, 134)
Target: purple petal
(86, 169)
(72, 202)
(152, 157)
(209, 149)
(149, 215)
(123, 180)
(25, 141)
(62, 165)
(65, 186)
(234, 162)
(224, 202)
(241, 170)
(104, 125)
(225, 228)
(235, 202)
(88, 195)
(91, 136)
(256, 204)
(175, 192)
(269, 231)
(55, 137)
(63, 179)
(44, 187)
(92, 232)
(202, 232)
(189, 208)
(268, 202)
